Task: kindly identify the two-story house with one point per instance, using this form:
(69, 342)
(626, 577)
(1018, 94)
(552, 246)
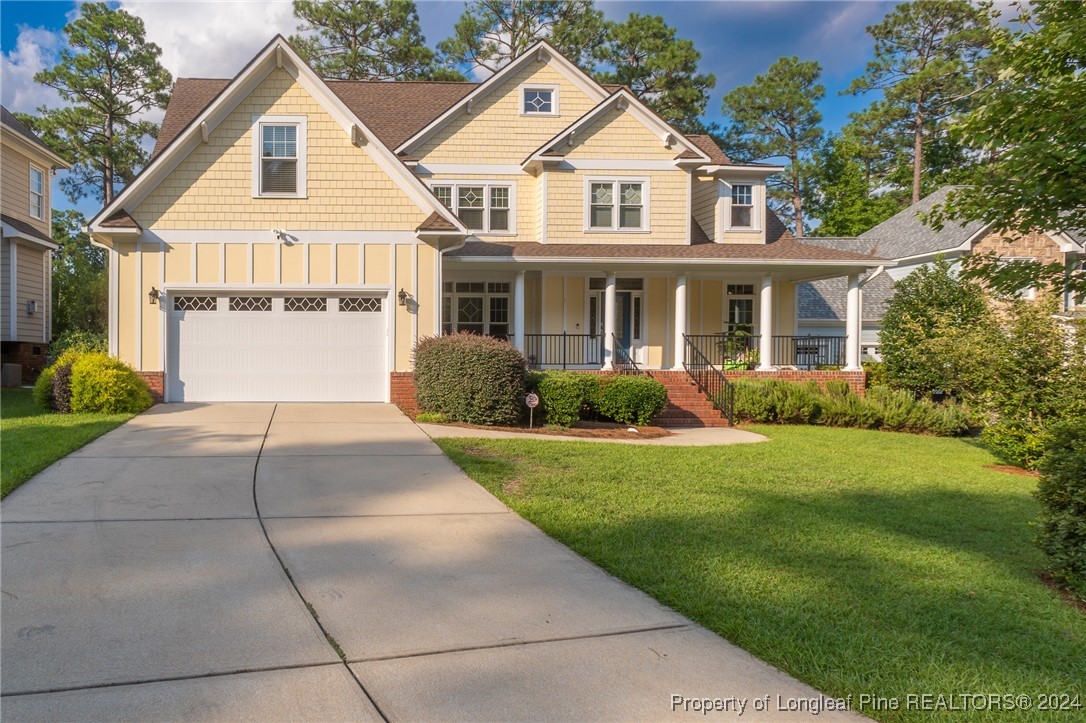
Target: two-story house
(26, 165)
(293, 237)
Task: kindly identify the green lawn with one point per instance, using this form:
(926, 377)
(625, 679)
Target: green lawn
(31, 440)
(858, 561)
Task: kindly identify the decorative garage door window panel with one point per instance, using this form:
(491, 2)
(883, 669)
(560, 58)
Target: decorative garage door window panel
(305, 303)
(354, 304)
(250, 303)
(195, 303)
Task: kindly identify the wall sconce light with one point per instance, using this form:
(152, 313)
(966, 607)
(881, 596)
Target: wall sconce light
(154, 295)
(31, 307)
(280, 234)
(403, 296)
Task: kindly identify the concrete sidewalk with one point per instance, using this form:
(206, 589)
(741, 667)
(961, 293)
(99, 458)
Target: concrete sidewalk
(143, 578)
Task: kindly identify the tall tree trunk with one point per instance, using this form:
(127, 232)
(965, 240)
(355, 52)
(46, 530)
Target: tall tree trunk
(797, 205)
(107, 165)
(918, 150)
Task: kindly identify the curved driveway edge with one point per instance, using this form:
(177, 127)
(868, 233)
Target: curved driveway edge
(137, 584)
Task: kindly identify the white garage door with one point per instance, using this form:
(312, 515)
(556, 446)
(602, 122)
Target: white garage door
(252, 347)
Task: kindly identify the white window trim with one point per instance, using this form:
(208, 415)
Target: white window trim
(757, 199)
(487, 185)
(615, 180)
(486, 296)
(44, 182)
(301, 122)
(538, 86)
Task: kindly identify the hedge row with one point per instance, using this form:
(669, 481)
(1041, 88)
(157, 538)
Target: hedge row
(567, 397)
(776, 401)
(84, 382)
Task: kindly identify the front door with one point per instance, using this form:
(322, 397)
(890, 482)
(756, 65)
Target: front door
(623, 317)
(628, 306)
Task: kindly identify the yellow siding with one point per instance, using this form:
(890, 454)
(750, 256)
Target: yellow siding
(617, 134)
(532, 304)
(496, 128)
(292, 260)
(212, 187)
(553, 304)
(404, 318)
(15, 189)
(237, 263)
(179, 264)
(428, 305)
(128, 306)
(743, 237)
(153, 314)
(668, 217)
(656, 310)
(712, 306)
(784, 303)
(347, 264)
(575, 301)
(320, 264)
(378, 265)
(208, 264)
(693, 306)
(264, 263)
(704, 197)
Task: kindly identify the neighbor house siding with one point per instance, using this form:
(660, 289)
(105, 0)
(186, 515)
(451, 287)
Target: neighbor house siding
(212, 187)
(29, 273)
(5, 293)
(15, 188)
(496, 130)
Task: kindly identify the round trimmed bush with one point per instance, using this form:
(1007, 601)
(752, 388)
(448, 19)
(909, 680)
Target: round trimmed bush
(470, 378)
(564, 395)
(100, 383)
(632, 399)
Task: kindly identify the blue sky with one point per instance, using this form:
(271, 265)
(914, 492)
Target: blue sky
(737, 40)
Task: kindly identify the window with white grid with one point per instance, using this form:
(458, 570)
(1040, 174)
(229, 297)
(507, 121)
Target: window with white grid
(482, 207)
(616, 205)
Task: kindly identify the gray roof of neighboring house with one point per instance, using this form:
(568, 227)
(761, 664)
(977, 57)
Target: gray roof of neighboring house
(904, 234)
(19, 127)
(825, 300)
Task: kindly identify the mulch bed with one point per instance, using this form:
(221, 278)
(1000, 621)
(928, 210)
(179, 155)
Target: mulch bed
(1068, 597)
(591, 430)
(1011, 469)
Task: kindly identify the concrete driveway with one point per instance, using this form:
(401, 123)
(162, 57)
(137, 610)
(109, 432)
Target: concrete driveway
(221, 562)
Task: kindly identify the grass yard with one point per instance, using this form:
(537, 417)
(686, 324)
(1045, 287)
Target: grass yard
(857, 561)
(31, 439)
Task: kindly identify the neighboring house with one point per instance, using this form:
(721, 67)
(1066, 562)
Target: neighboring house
(26, 248)
(292, 237)
(912, 244)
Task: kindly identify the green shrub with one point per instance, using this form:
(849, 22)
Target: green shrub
(62, 387)
(754, 401)
(796, 403)
(632, 399)
(565, 395)
(899, 409)
(43, 389)
(79, 341)
(470, 378)
(1062, 494)
(949, 420)
(1016, 442)
(874, 374)
(837, 388)
(850, 411)
(100, 383)
(431, 418)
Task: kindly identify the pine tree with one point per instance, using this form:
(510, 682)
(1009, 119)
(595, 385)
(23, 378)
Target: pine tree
(777, 116)
(926, 64)
(366, 40)
(644, 54)
(490, 33)
(110, 76)
(838, 194)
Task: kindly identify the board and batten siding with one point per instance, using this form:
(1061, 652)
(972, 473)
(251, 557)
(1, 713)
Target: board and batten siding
(318, 268)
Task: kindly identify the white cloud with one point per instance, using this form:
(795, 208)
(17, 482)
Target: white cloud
(35, 49)
(201, 39)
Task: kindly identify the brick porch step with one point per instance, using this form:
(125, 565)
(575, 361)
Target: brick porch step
(686, 405)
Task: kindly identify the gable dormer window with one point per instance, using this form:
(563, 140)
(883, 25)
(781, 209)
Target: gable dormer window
(742, 206)
(279, 157)
(539, 100)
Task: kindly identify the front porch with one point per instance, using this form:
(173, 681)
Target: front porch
(586, 320)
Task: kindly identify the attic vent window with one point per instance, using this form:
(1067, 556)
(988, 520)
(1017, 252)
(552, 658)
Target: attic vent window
(279, 157)
(539, 101)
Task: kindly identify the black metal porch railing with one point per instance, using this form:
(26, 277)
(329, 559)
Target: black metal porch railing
(623, 361)
(563, 350)
(728, 351)
(809, 352)
(709, 379)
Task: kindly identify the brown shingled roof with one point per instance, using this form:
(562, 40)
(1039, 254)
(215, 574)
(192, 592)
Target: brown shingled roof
(709, 147)
(436, 222)
(120, 219)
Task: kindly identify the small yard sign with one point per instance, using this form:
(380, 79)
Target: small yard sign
(532, 400)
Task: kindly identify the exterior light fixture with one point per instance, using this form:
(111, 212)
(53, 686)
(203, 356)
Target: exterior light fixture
(31, 307)
(154, 295)
(403, 296)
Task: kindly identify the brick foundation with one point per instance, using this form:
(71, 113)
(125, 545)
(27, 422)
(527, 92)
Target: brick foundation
(156, 383)
(402, 391)
(29, 355)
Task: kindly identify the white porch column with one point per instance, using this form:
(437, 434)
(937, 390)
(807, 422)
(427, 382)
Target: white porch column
(609, 322)
(765, 325)
(680, 323)
(853, 324)
(518, 311)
